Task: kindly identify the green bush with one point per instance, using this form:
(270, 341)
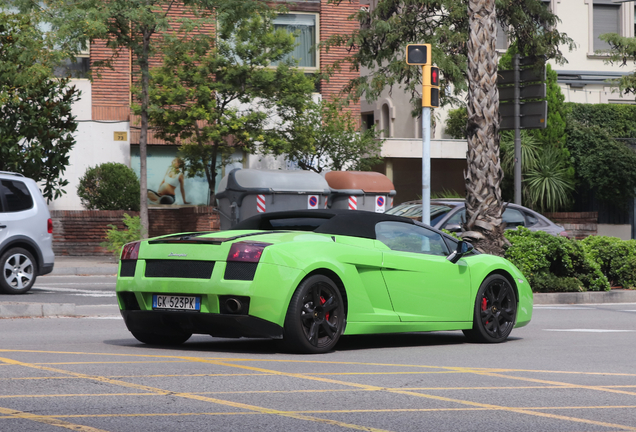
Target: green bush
(541, 257)
(547, 282)
(116, 239)
(109, 186)
(615, 257)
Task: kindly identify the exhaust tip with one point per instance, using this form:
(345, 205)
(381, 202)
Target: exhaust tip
(233, 305)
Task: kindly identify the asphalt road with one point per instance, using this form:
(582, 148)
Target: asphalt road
(571, 369)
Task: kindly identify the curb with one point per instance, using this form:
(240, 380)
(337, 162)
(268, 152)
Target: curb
(28, 310)
(84, 271)
(588, 297)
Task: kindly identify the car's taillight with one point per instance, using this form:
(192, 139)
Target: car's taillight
(246, 252)
(130, 251)
(564, 234)
(49, 226)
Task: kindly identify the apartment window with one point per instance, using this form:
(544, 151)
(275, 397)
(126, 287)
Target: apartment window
(606, 19)
(304, 26)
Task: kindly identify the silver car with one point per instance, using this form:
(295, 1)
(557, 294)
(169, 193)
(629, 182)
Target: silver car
(26, 234)
(450, 213)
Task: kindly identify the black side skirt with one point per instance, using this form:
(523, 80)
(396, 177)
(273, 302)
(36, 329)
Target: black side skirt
(220, 325)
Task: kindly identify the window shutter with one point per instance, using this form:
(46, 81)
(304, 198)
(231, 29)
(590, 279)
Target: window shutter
(606, 20)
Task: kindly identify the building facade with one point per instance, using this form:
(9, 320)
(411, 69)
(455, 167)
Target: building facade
(108, 131)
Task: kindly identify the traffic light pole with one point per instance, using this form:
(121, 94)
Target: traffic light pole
(426, 165)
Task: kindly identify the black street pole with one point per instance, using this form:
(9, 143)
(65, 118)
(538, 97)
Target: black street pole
(517, 117)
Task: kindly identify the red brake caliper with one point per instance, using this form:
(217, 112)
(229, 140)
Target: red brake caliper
(322, 302)
(484, 305)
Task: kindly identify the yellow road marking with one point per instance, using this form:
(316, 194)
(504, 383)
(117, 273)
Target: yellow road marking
(556, 383)
(231, 359)
(10, 413)
(159, 391)
(478, 371)
(423, 395)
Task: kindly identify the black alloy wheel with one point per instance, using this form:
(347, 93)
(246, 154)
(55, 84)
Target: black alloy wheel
(19, 271)
(161, 339)
(495, 311)
(315, 318)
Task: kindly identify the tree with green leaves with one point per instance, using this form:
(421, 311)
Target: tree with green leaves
(133, 26)
(36, 131)
(218, 93)
(622, 51)
(463, 47)
(327, 136)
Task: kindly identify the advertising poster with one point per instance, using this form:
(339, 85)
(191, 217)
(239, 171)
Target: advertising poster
(168, 184)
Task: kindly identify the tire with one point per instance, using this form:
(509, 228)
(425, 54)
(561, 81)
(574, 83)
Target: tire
(19, 271)
(312, 329)
(161, 339)
(495, 311)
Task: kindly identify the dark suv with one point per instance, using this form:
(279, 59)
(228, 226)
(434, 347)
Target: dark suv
(26, 234)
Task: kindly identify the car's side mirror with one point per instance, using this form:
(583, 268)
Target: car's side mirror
(453, 227)
(462, 249)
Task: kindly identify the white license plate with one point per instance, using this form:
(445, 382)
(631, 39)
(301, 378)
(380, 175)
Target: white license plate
(160, 301)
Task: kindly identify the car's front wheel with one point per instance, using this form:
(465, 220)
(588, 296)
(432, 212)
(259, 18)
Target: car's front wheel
(315, 318)
(495, 311)
(19, 271)
(161, 339)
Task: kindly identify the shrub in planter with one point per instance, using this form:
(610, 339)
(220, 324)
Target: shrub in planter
(547, 282)
(615, 257)
(116, 239)
(109, 186)
(536, 253)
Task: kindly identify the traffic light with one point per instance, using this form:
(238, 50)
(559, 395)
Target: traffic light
(418, 54)
(430, 86)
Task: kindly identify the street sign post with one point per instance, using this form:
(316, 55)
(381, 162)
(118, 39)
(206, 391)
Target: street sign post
(517, 112)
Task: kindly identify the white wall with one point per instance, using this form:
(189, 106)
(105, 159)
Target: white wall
(94, 144)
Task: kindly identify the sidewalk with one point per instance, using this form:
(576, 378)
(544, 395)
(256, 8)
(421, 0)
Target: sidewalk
(107, 265)
(85, 265)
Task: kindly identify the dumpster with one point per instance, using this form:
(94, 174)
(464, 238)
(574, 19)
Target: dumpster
(360, 190)
(246, 192)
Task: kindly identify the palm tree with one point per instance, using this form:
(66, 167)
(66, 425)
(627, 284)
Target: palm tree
(484, 225)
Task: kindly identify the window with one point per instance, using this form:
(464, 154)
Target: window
(16, 195)
(404, 237)
(513, 218)
(606, 20)
(304, 27)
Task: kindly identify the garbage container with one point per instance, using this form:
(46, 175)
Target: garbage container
(246, 192)
(360, 190)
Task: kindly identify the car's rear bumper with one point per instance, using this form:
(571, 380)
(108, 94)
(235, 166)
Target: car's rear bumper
(221, 325)
(46, 269)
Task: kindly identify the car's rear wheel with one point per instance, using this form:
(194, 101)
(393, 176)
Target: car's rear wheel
(495, 311)
(19, 271)
(315, 318)
(161, 339)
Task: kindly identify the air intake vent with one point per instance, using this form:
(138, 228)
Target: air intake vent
(183, 269)
(240, 270)
(128, 268)
(128, 300)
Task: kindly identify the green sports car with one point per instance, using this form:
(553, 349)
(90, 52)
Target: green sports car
(307, 277)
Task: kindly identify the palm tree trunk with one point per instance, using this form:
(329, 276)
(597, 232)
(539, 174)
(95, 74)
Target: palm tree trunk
(483, 176)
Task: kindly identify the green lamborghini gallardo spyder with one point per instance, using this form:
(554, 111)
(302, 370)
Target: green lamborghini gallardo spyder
(307, 277)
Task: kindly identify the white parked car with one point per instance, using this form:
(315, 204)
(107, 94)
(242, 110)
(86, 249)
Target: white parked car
(26, 234)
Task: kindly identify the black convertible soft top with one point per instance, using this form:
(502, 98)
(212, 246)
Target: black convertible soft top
(355, 223)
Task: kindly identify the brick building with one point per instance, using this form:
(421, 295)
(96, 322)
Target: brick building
(108, 132)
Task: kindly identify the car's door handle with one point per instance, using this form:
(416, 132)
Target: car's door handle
(2, 226)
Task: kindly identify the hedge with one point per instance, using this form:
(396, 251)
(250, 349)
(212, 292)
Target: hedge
(558, 264)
